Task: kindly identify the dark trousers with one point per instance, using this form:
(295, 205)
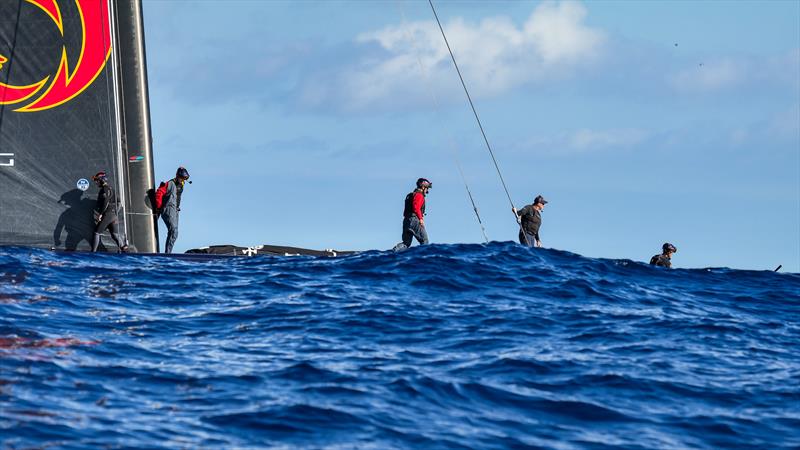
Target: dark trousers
(413, 229)
(109, 222)
(170, 218)
(531, 242)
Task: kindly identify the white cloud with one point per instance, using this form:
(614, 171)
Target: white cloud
(786, 124)
(722, 74)
(558, 33)
(739, 136)
(710, 76)
(582, 141)
(495, 55)
(586, 139)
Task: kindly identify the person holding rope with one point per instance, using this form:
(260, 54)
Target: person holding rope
(530, 219)
(105, 213)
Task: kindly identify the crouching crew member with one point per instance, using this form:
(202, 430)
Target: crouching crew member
(530, 217)
(105, 213)
(414, 215)
(665, 258)
(171, 206)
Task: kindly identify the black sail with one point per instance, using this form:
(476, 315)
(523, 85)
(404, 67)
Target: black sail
(73, 102)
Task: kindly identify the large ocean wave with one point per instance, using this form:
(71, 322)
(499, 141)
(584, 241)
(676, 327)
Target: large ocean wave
(443, 346)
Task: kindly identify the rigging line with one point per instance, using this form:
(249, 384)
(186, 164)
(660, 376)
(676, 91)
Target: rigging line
(471, 199)
(114, 122)
(437, 106)
(111, 119)
(475, 112)
(117, 159)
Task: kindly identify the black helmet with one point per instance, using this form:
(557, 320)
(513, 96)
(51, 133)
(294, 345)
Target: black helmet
(424, 183)
(182, 173)
(667, 247)
(100, 177)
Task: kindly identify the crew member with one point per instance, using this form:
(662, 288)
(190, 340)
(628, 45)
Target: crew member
(665, 258)
(530, 217)
(105, 213)
(414, 215)
(172, 206)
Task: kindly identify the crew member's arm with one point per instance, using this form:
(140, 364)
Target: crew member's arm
(102, 201)
(418, 201)
(522, 212)
(535, 213)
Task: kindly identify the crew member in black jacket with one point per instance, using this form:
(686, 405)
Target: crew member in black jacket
(665, 258)
(530, 217)
(105, 213)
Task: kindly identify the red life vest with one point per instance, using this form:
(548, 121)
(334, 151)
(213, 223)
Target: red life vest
(159, 197)
(408, 210)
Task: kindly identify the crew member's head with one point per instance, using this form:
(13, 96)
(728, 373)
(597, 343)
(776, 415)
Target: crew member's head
(539, 202)
(424, 185)
(668, 249)
(100, 178)
(182, 175)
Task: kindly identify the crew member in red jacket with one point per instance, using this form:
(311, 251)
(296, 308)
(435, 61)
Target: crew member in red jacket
(414, 215)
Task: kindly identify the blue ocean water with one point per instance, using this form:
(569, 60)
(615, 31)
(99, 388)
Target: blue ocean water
(444, 346)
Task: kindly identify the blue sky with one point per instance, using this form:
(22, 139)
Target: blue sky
(306, 123)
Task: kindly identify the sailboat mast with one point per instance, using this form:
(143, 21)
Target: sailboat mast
(136, 135)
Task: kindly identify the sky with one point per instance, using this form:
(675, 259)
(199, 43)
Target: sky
(306, 123)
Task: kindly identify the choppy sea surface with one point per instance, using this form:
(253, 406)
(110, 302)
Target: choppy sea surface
(445, 346)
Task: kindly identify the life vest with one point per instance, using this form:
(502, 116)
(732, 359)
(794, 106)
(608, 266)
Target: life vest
(162, 191)
(408, 211)
(661, 260)
(112, 198)
(532, 220)
(159, 196)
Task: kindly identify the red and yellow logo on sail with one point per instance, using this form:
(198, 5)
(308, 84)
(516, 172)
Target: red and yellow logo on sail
(71, 78)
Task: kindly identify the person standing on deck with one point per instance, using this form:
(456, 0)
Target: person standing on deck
(105, 213)
(172, 206)
(530, 219)
(414, 215)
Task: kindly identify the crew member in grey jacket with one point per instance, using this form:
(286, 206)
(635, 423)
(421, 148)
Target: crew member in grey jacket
(172, 206)
(530, 219)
